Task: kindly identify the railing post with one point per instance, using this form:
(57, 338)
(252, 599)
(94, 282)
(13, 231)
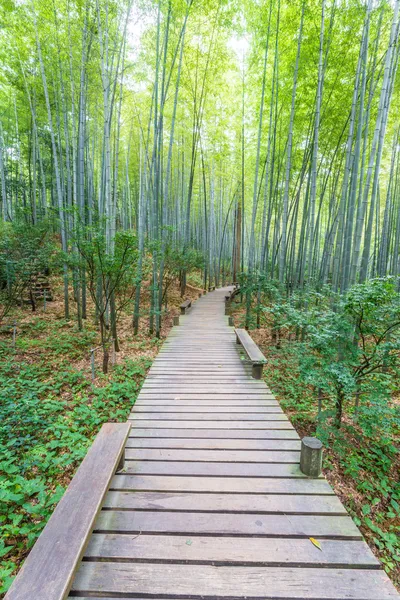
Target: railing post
(311, 457)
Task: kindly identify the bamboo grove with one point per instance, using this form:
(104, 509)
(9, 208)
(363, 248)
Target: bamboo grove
(257, 137)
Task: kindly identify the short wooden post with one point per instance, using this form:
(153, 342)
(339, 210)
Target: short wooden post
(92, 364)
(256, 371)
(230, 320)
(176, 320)
(200, 294)
(44, 300)
(311, 457)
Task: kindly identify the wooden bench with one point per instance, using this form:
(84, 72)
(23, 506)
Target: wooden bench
(231, 295)
(49, 570)
(254, 353)
(185, 305)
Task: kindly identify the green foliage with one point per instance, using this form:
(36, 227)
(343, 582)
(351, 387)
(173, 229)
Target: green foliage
(334, 362)
(48, 418)
(25, 251)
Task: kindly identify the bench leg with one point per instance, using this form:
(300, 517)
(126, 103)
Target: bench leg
(256, 371)
(183, 311)
(121, 463)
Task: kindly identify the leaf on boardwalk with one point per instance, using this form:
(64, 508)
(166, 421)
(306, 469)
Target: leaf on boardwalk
(316, 543)
(189, 542)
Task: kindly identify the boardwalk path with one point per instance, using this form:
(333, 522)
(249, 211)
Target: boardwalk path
(212, 503)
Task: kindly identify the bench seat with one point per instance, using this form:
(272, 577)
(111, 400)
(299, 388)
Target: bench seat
(254, 353)
(185, 305)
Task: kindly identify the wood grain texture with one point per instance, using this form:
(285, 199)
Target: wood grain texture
(195, 523)
(223, 550)
(236, 485)
(256, 456)
(250, 503)
(212, 444)
(235, 582)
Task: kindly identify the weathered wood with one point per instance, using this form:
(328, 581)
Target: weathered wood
(209, 424)
(183, 432)
(197, 581)
(226, 550)
(311, 457)
(236, 485)
(146, 407)
(258, 456)
(50, 567)
(185, 305)
(211, 416)
(225, 503)
(176, 320)
(193, 523)
(212, 444)
(253, 352)
(214, 469)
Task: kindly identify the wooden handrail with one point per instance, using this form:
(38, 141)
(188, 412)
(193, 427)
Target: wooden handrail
(49, 570)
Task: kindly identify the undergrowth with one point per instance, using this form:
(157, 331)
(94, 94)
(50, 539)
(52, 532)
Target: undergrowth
(50, 412)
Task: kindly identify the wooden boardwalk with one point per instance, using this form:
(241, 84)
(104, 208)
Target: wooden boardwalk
(212, 503)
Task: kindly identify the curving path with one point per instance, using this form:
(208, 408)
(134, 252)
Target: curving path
(211, 503)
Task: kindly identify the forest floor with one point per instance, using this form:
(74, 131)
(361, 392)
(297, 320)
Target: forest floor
(355, 464)
(50, 409)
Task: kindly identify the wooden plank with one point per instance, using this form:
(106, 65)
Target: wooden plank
(201, 387)
(241, 405)
(234, 485)
(225, 503)
(213, 469)
(237, 434)
(220, 424)
(258, 456)
(212, 444)
(250, 347)
(187, 523)
(197, 581)
(146, 394)
(225, 550)
(49, 569)
(147, 406)
(207, 416)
